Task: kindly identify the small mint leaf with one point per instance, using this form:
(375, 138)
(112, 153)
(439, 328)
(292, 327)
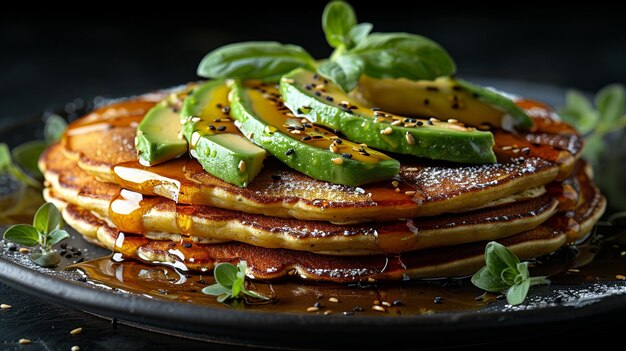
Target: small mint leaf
(225, 274)
(485, 280)
(517, 293)
(22, 234)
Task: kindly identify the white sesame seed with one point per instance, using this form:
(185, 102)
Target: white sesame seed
(76, 331)
(242, 166)
(333, 300)
(386, 303)
(412, 169)
(75, 348)
(573, 270)
(379, 308)
(433, 119)
(289, 80)
(194, 138)
(452, 120)
(327, 312)
(410, 192)
(24, 250)
(312, 309)
(396, 122)
(386, 131)
(409, 138)
(24, 341)
(333, 148)
(4, 306)
(371, 280)
(397, 190)
(410, 125)
(337, 160)
(620, 277)
(507, 147)
(320, 86)
(270, 129)
(376, 302)
(196, 119)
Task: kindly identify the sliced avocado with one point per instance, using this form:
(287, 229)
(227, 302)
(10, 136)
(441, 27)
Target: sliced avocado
(323, 103)
(444, 98)
(262, 116)
(158, 135)
(213, 138)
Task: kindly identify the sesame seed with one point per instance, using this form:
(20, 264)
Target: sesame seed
(420, 123)
(386, 131)
(395, 183)
(410, 193)
(194, 138)
(290, 152)
(348, 313)
(506, 148)
(24, 250)
(397, 190)
(318, 304)
(412, 169)
(75, 348)
(623, 253)
(371, 280)
(289, 114)
(333, 300)
(410, 124)
(212, 127)
(329, 98)
(430, 123)
(76, 331)
(326, 313)
(396, 122)
(4, 306)
(386, 303)
(196, 119)
(288, 80)
(24, 341)
(320, 86)
(317, 93)
(452, 120)
(242, 166)
(433, 119)
(620, 277)
(346, 155)
(431, 88)
(333, 148)
(337, 160)
(270, 129)
(426, 101)
(409, 138)
(397, 303)
(312, 309)
(226, 110)
(379, 308)
(306, 137)
(438, 300)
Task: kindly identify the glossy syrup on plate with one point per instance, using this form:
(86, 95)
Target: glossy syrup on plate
(601, 258)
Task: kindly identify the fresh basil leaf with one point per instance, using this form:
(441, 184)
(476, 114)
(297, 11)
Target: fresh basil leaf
(54, 128)
(508, 275)
(491, 97)
(215, 290)
(22, 234)
(396, 55)
(610, 102)
(358, 33)
(579, 112)
(345, 71)
(517, 293)
(56, 236)
(498, 258)
(47, 218)
(27, 155)
(485, 280)
(253, 60)
(5, 157)
(522, 268)
(541, 280)
(46, 258)
(337, 21)
(225, 274)
(256, 295)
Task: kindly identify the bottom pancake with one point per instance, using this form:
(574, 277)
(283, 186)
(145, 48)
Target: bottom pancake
(264, 263)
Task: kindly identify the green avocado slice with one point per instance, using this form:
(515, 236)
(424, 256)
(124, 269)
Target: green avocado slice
(158, 135)
(444, 98)
(315, 151)
(323, 103)
(213, 138)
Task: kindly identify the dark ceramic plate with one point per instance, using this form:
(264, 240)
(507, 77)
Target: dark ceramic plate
(549, 308)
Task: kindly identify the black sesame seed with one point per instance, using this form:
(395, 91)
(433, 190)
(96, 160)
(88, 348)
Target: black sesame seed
(69, 255)
(397, 303)
(420, 123)
(226, 110)
(348, 313)
(217, 120)
(318, 304)
(317, 93)
(346, 155)
(77, 253)
(187, 245)
(203, 282)
(365, 153)
(432, 88)
(426, 101)
(221, 128)
(325, 81)
(329, 98)
(338, 141)
(12, 247)
(81, 279)
(212, 127)
(316, 77)
(276, 177)
(308, 87)
(63, 253)
(290, 152)
(307, 125)
(455, 106)
(306, 137)
(63, 246)
(317, 137)
(438, 300)
(219, 106)
(358, 309)
(429, 122)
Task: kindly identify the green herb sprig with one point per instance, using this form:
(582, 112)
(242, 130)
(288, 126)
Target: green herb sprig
(504, 273)
(46, 231)
(357, 51)
(231, 284)
(604, 125)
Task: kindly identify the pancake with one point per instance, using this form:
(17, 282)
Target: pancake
(264, 263)
(162, 219)
(103, 144)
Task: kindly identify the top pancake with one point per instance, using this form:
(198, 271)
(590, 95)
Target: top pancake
(103, 144)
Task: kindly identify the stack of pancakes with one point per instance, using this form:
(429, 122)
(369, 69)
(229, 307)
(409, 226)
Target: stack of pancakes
(432, 220)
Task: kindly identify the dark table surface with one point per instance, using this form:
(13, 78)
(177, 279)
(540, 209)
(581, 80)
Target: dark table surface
(52, 58)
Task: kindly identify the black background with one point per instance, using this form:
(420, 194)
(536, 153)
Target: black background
(53, 57)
